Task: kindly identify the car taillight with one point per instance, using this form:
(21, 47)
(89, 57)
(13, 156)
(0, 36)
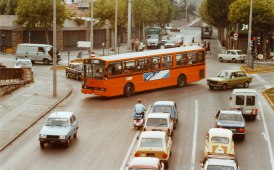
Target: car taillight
(137, 120)
(145, 129)
(256, 110)
(164, 155)
(168, 131)
(136, 154)
(242, 130)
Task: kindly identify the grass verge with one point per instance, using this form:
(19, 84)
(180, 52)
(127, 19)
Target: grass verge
(269, 95)
(258, 69)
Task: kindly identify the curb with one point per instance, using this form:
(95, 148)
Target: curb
(254, 72)
(37, 119)
(268, 99)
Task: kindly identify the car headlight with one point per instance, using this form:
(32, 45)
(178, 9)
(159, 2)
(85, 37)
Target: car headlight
(43, 136)
(62, 137)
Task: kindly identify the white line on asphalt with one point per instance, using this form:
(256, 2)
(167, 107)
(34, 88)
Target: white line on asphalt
(267, 137)
(264, 136)
(123, 166)
(265, 83)
(194, 136)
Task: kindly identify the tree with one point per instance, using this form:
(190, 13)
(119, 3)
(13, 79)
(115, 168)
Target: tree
(38, 14)
(215, 12)
(262, 13)
(7, 7)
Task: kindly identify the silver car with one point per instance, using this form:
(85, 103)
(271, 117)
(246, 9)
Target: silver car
(60, 127)
(232, 120)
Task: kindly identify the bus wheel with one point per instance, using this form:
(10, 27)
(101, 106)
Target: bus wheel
(181, 81)
(129, 90)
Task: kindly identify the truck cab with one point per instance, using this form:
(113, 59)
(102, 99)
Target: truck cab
(245, 100)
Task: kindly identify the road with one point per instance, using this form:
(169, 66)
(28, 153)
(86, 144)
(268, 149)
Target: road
(106, 135)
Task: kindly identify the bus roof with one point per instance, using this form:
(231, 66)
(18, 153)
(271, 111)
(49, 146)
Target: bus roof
(149, 53)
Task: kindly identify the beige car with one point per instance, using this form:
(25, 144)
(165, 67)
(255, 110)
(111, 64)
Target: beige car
(159, 122)
(139, 163)
(219, 141)
(154, 144)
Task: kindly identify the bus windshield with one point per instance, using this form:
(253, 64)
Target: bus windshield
(94, 70)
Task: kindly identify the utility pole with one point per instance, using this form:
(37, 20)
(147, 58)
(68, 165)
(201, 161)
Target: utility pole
(186, 10)
(54, 50)
(129, 25)
(250, 56)
(115, 32)
(91, 26)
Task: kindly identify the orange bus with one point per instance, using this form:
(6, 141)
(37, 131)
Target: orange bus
(125, 74)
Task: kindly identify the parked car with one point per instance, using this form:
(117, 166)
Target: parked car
(154, 144)
(233, 56)
(142, 163)
(75, 70)
(219, 141)
(232, 120)
(60, 127)
(219, 162)
(23, 63)
(229, 78)
(245, 100)
(165, 107)
(159, 122)
(170, 44)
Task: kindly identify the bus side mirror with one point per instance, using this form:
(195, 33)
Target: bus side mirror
(230, 98)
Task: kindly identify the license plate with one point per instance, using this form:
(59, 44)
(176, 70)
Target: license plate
(150, 155)
(156, 130)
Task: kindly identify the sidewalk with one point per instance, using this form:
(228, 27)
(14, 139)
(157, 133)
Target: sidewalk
(25, 106)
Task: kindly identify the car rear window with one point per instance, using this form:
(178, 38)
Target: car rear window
(250, 100)
(57, 122)
(218, 167)
(240, 100)
(231, 117)
(164, 109)
(151, 142)
(157, 122)
(217, 139)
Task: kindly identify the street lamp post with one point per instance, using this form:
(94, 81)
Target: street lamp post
(250, 56)
(129, 25)
(54, 50)
(115, 32)
(91, 26)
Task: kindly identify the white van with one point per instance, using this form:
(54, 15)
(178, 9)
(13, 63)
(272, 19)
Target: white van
(36, 52)
(245, 100)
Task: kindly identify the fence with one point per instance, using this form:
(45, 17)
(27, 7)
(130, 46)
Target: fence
(11, 76)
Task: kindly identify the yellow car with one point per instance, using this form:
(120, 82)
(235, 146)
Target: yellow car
(219, 141)
(154, 144)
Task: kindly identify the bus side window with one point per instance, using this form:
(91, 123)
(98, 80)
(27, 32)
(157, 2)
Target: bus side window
(179, 59)
(201, 57)
(167, 61)
(129, 67)
(115, 69)
(192, 58)
(155, 63)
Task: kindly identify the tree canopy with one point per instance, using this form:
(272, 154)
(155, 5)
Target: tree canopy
(262, 12)
(7, 7)
(38, 14)
(215, 12)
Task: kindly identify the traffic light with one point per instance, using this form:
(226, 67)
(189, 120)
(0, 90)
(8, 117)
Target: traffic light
(252, 47)
(258, 40)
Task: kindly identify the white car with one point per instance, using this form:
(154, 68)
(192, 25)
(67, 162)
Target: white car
(159, 122)
(225, 162)
(233, 56)
(23, 63)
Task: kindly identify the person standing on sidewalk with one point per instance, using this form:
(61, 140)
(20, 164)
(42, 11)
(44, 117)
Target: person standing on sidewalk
(208, 47)
(132, 41)
(136, 45)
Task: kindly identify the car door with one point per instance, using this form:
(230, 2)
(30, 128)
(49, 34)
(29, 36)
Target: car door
(74, 124)
(241, 76)
(227, 55)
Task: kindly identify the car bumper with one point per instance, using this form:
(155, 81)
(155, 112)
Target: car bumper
(214, 85)
(47, 140)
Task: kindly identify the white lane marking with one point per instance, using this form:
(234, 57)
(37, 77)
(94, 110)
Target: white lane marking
(267, 137)
(194, 136)
(264, 136)
(123, 166)
(265, 83)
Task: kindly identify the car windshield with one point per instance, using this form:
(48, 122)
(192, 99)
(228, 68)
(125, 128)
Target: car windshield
(151, 142)
(218, 139)
(219, 167)
(164, 109)
(224, 74)
(57, 122)
(158, 122)
(231, 117)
